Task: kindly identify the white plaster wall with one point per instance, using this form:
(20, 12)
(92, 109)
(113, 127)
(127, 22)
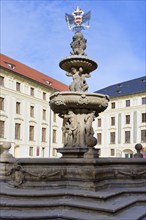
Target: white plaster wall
(20, 148)
(136, 106)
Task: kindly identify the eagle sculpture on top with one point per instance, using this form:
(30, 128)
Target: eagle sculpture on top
(77, 19)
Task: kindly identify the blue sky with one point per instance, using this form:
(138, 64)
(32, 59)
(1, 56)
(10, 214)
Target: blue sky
(35, 33)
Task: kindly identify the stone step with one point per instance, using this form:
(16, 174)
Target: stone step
(105, 203)
(110, 206)
(135, 212)
(102, 194)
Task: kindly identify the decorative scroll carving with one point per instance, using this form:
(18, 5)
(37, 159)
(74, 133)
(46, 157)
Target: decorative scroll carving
(83, 100)
(58, 100)
(132, 173)
(18, 174)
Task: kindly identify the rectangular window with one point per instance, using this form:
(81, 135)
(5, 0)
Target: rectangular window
(43, 134)
(112, 121)
(1, 81)
(17, 107)
(127, 119)
(112, 137)
(113, 105)
(99, 122)
(31, 111)
(37, 151)
(54, 117)
(143, 136)
(17, 131)
(44, 96)
(32, 91)
(1, 103)
(143, 117)
(54, 136)
(31, 133)
(127, 103)
(31, 151)
(44, 114)
(112, 152)
(43, 151)
(18, 86)
(143, 100)
(99, 138)
(2, 129)
(127, 137)
(54, 152)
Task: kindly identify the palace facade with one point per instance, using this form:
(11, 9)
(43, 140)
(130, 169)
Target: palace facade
(123, 123)
(26, 119)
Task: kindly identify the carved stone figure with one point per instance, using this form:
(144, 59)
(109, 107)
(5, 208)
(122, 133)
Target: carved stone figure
(89, 132)
(70, 129)
(79, 83)
(78, 44)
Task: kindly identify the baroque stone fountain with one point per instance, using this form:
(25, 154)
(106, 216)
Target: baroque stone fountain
(78, 107)
(79, 186)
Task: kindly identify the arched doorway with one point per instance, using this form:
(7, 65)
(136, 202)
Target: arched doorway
(127, 153)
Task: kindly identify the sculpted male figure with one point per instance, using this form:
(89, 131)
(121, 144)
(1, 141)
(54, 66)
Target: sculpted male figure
(79, 83)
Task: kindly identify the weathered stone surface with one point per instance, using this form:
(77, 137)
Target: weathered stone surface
(72, 172)
(78, 111)
(78, 44)
(85, 62)
(138, 148)
(79, 189)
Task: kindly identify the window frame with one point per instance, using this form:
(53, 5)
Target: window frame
(113, 105)
(128, 104)
(112, 137)
(127, 137)
(2, 129)
(99, 138)
(18, 107)
(2, 103)
(31, 133)
(127, 119)
(113, 121)
(17, 131)
(18, 84)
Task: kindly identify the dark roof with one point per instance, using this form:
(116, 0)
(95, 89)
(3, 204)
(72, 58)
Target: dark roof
(26, 71)
(130, 87)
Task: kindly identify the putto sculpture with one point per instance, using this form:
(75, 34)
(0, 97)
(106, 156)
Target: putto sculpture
(77, 107)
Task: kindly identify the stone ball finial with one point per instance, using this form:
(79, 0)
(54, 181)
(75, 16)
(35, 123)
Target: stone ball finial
(5, 154)
(138, 148)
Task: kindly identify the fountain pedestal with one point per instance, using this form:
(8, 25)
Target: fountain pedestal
(78, 108)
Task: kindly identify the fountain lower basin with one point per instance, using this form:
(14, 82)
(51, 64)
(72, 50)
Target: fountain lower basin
(61, 102)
